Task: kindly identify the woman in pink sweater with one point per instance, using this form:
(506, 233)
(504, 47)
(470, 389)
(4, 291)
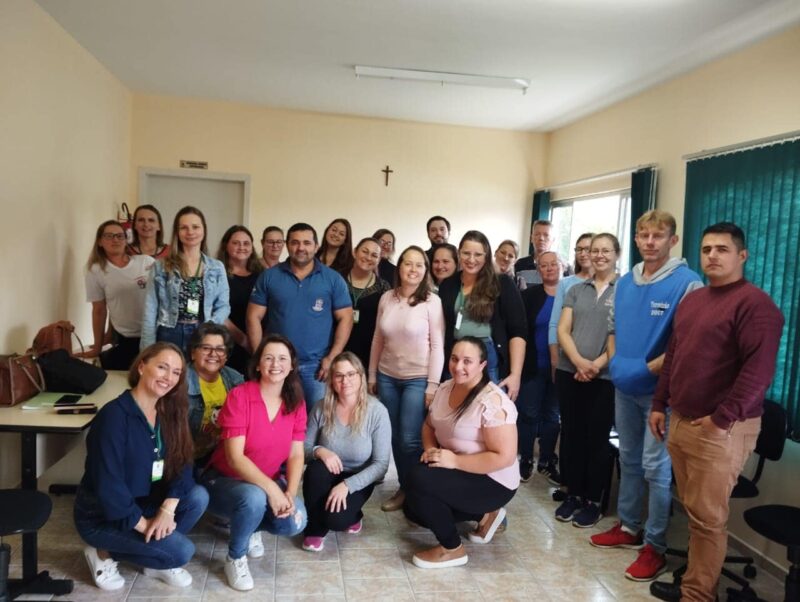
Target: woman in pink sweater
(406, 359)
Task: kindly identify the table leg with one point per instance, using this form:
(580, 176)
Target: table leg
(32, 581)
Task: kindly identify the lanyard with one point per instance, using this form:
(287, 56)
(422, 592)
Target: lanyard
(192, 285)
(353, 295)
(159, 443)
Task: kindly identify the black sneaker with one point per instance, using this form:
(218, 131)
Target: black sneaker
(568, 509)
(559, 495)
(588, 516)
(525, 470)
(550, 472)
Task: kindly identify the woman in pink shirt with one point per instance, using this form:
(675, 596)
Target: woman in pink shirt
(406, 359)
(469, 468)
(263, 426)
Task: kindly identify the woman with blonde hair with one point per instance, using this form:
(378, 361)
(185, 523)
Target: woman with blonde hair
(187, 287)
(347, 450)
(115, 286)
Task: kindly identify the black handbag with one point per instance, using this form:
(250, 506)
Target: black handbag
(64, 373)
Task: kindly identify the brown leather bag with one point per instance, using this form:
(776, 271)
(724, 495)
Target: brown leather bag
(57, 335)
(20, 378)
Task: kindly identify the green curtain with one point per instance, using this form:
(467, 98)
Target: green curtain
(541, 210)
(758, 189)
(643, 199)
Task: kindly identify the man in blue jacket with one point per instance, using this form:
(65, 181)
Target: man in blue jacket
(645, 303)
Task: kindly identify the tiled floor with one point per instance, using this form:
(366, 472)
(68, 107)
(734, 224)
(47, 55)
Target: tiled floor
(537, 558)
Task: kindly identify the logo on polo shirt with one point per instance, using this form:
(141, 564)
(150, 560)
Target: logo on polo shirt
(319, 305)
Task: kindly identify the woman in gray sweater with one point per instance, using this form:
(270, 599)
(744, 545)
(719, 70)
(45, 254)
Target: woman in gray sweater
(347, 445)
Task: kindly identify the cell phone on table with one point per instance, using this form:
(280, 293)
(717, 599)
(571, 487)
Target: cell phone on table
(67, 400)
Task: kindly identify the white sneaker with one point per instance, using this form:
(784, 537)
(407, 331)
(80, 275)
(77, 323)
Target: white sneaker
(238, 573)
(255, 548)
(175, 577)
(104, 572)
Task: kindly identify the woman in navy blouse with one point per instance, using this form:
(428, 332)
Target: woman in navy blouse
(137, 499)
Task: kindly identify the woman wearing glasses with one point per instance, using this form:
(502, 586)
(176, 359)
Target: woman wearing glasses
(271, 246)
(585, 391)
(480, 303)
(242, 265)
(115, 286)
(347, 450)
(209, 381)
(386, 268)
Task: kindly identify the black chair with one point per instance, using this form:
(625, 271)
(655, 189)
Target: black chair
(780, 524)
(769, 446)
(21, 511)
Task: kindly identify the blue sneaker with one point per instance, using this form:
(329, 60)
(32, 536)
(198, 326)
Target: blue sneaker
(588, 516)
(568, 508)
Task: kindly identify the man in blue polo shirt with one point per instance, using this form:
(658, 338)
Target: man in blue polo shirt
(306, 302)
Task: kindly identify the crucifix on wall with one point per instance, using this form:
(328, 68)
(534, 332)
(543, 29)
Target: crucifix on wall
(387, 171)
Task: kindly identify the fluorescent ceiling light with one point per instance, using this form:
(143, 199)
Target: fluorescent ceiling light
(461, 79)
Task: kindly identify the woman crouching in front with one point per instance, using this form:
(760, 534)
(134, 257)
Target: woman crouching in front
(263, 426)
(347, 445)
(469, 467)
(137, 499)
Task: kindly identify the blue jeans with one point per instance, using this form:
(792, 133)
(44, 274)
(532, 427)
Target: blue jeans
(246, 507)
(178, 334)
(643, 461)
(173, 551)
(538, 417)
(313, 389)
(405, 401)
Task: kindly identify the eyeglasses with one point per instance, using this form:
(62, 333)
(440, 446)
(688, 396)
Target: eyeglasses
(604, 252)
(114, 236)
(579, 250)
(210, 349)
(386, 243)
(341, 376)
(274, 243)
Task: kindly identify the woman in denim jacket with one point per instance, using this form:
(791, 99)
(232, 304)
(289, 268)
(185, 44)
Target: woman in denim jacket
(187, 287)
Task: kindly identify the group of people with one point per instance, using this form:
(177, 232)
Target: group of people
(455, 359)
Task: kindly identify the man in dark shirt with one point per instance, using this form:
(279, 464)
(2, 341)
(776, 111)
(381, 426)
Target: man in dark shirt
(719, 363)
(542, 239)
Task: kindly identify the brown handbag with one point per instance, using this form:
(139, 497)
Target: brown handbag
(20, 378)
(57, 335)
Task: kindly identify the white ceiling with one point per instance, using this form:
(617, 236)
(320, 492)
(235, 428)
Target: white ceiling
(580, 55)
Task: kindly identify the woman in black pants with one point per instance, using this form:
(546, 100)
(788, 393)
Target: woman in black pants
(348, 440)
(469, 468)
(478, 302)
(585, 391)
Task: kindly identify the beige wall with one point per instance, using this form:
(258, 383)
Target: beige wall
(313, 167)
(750, 94)
(64, 164)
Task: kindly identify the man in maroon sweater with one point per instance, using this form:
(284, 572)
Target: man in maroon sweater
(718, 365)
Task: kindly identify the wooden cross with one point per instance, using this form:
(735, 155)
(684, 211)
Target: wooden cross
(387, 171)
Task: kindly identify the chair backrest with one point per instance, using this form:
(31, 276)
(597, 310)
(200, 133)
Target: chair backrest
(772, 438)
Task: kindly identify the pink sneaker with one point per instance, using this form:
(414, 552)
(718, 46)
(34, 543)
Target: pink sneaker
(313, 544)
(355, 528)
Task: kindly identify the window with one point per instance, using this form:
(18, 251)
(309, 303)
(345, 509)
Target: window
(606, 212)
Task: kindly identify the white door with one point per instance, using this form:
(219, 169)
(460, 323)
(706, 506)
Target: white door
(223, 198)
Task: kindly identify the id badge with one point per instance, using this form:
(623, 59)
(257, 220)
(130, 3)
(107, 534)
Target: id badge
(355, 316)
(193, 306)
(458, 320)
(158, 471)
